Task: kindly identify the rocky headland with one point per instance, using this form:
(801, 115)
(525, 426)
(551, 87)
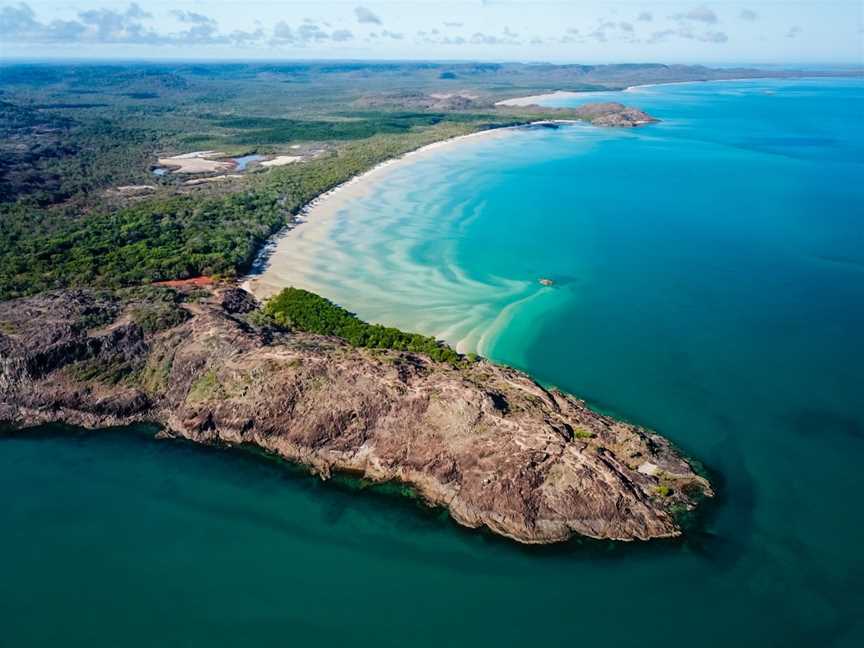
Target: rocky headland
(614, 114)
(486, 442)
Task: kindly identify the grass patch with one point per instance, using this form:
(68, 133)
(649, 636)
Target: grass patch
(111, 373)
(8, 328)
(663, 490)
(582, 433)
(206, 387)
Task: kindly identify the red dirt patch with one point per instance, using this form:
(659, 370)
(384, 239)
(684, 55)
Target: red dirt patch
(179, 283)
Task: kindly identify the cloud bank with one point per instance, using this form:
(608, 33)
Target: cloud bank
(18, 23)
(134, 26)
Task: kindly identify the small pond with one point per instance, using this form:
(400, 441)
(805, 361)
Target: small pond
(245, 160)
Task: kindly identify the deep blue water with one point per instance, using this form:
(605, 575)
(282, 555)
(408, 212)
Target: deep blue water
(709, 283)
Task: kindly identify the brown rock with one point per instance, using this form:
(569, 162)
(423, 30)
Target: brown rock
(614, 114)
(485, 441)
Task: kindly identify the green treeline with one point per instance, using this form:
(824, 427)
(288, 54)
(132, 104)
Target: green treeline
(302, 310)
(272, 130)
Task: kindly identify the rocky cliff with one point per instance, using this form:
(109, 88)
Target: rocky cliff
(484, 441)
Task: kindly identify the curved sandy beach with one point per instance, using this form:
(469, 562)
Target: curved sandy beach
(534, 100)
(275, 267)
(459, 309)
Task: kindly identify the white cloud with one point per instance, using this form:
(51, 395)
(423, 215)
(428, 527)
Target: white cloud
(698, 14)
(307, 33)
(18, 23)
(365, 15)
(479, 38)
(713, 37)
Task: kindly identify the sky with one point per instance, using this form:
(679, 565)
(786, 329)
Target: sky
(720, 32)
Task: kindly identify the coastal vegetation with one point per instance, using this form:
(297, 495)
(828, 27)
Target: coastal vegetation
(582, 433)
(78, 139)
(176, 236)
(298, 309)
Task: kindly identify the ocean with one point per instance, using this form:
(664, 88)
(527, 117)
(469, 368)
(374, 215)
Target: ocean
(708, 282)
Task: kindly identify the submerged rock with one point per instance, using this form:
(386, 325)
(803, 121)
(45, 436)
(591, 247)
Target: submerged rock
(485, 441)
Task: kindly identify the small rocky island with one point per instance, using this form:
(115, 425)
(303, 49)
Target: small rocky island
(614, 114)
(484, 441)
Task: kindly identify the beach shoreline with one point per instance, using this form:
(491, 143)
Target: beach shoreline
(317, 214)
(532, 100)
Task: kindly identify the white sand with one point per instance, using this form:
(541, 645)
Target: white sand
(535, 100)
(196, 162)
(281, 160)
(317, 215)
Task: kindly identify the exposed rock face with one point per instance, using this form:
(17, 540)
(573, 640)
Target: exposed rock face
(484, 441)
(237, 301)
(614, 114)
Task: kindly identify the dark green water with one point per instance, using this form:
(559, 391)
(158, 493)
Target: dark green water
(120, 539)
(709, 284)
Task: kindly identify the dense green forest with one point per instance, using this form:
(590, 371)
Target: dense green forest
(301, 310)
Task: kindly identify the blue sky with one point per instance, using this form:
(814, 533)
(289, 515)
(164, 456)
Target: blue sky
(752, 31)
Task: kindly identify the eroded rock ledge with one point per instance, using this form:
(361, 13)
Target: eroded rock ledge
(485, 441)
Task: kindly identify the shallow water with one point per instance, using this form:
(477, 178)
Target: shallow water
(709, 283)
(245, 161)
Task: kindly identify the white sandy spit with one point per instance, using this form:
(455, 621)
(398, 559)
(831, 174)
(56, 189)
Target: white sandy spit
(536, 100)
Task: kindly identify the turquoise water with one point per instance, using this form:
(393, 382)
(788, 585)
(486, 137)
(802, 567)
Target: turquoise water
(709, 283)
